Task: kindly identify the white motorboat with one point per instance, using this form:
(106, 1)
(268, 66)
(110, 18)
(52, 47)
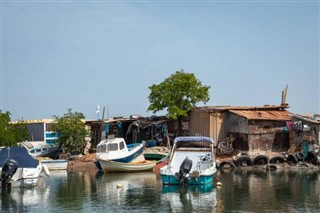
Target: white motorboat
(116, 149)
(18, 168)
(192, 161)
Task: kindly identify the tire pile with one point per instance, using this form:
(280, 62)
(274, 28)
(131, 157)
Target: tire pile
(292, 159)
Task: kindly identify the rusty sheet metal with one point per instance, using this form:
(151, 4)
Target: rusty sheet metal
(274, 115)
(228, 107)
(312, 118)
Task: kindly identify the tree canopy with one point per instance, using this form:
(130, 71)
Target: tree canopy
(71, 130)
(11, 133)
(178, 94)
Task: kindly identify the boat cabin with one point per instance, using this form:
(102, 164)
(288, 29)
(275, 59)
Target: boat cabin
(116, 149)
(110, 145)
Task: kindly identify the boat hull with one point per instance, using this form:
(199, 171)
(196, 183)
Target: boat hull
(55, 164)
(202, 180)
(132, 155)
(112, 166)
(25, 177)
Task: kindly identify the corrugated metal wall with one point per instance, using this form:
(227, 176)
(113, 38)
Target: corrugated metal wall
(199, 123)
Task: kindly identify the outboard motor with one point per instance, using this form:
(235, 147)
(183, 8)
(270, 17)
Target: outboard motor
(9, 168)
(184, 170)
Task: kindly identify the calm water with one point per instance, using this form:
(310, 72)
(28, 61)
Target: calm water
(242, 191)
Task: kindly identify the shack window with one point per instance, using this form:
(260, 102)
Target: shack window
(112, 147)
(121, 145)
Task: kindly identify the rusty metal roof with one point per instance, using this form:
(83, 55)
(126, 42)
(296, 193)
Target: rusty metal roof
(228, 107)
(274, 115)
(312, 118)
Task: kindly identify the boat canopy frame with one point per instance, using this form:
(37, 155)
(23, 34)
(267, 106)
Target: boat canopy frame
(193, 142)
(193, 139)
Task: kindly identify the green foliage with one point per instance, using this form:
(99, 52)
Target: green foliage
(11, 133)
(71, 130)
(178, 94)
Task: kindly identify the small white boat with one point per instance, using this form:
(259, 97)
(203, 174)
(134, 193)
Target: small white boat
(18, 168)
(52, 164)
(116, 149)
(192, 161)
(137, 166)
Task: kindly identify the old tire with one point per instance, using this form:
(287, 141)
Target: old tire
(277, 159)
(225, 165)
(260, 160)
(299, 156)
(312, 158)
(243, 161)
(271, 167)
(292, 159)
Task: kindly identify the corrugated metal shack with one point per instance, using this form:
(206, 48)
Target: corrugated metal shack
(254, 128)
(133, 129)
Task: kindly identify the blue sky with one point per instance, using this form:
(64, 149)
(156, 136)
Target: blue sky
(79, 54)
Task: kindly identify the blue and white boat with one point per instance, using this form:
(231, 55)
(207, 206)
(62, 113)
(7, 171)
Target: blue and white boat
(116, 149)
(192, 161)
(18, 168)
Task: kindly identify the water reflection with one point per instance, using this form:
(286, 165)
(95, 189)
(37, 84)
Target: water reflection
(192, 198)
(137, 191)
(242, 191)
(255, 190)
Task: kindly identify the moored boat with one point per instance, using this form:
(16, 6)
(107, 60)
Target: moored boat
(116, 149)
(54, 164)
(156, 153)
(192, 161)
(18, 168)
(137, 166)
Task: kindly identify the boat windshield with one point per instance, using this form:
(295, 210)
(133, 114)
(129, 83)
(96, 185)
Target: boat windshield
(112, 147)
(190, 144)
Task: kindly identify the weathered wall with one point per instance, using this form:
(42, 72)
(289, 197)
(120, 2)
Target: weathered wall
(239, 127)
(312, 135)
(267, 136)
(237, 124)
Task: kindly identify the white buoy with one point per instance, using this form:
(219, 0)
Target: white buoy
(46, 169)
(119, 186)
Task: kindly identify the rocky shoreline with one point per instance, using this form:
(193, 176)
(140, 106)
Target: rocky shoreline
(82, 163)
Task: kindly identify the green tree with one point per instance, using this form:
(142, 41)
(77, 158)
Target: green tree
(11, 133)
(178, 94)
(71, 130)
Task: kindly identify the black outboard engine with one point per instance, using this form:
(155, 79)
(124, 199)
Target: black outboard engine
(9, 168)
(184, 170)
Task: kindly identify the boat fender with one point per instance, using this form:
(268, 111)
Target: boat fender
(46, 169)
(219, 184)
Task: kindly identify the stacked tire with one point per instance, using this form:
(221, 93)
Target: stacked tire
(294, 158)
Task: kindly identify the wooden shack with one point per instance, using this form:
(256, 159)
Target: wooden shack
(253, 127)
